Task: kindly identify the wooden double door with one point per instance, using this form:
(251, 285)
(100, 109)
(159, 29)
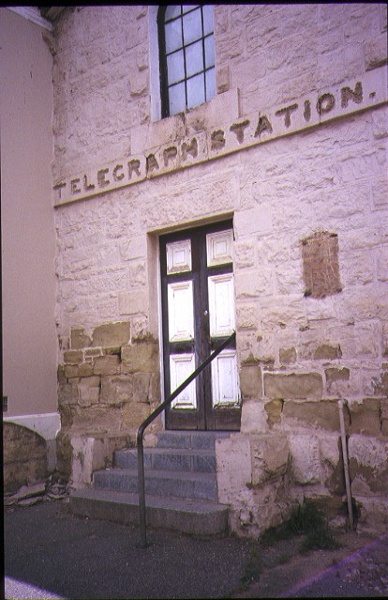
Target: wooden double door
(198, 312)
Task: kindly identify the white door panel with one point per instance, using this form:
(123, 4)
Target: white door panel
(226, 389)
(219, 248)
(180, 311)
(181, 366)
(221, 305)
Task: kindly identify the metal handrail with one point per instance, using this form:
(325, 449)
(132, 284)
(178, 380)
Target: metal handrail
(148, 421)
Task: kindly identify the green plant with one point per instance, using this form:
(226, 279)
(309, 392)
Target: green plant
(307, 520)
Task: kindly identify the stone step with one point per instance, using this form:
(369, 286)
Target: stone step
(194, 517)
(169, 459)
(195, 440)
(178, 484)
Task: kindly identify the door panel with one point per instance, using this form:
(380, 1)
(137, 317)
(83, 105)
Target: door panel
(198, 314)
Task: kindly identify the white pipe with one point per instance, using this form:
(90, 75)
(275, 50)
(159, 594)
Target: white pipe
(345, 459)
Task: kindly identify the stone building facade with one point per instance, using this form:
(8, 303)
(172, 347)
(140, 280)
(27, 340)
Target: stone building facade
(292, 150)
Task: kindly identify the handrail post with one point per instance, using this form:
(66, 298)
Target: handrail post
(141, 484)
(148, 420)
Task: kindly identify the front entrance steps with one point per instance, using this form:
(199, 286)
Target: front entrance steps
(180, 484)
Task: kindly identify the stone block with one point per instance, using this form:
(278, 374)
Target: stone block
(250, 381)
(287, 356)
(82, 370)
(111, 334)
(89, 391)
(305, 459)
(337, 374)
(365, 417)
(233, 466)
(106, 365)
(274, 409)
(293, 385)
(253, 417)
(116, 389)
(73, 357)
(67, 393)
(368, 465)
(25, 457)
(133, 415)
(269, 455)
(78, 338)
(323, 414)
(141, 357)
(327, 352)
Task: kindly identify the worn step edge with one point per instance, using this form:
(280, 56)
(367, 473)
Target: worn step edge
(195, 517)
(173, 459)
(164, 483)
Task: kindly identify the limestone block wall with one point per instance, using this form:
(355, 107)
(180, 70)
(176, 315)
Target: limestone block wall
(307, 190)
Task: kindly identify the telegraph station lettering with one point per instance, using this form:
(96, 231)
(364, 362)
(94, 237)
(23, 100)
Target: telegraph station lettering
(244, 133)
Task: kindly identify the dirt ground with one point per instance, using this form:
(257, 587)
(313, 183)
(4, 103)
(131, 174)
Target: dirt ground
(359, 567)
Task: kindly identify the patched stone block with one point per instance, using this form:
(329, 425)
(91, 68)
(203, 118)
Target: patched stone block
(250, 381)
(269, 455)
(274, 408)
(328, 352)
(111, 334)
(287, 356)
(67, 393)
(368, 465)
(365, 417)
(323, 414)
(320, 264)
(107, 365)
(141, 357)
(305, 459)
(253, 417)
(337, 374)
(78, 338)
(293, 385)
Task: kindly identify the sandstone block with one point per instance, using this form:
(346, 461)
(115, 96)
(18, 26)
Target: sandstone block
(269, 455)
(106, 365)
(253, 417)
(328, 352)
(323, 414)
(67, 393)
(365, 417)
(78, 338)
(133, 415)
(287, 356)
(73, 357)
(305, 459)
(233, 466)
(293, 385)
(274, 408)
(141, 357)
(82, 370)
(116, 389)
(89, 391)
(111, 334)
(368, 464)
(250, 381)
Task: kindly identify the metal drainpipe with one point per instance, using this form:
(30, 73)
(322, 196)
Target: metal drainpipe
(346, 462)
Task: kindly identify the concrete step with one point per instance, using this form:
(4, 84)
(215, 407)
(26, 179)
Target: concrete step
(195, 440)
(169, 459)
(178, 484)
(194, 517)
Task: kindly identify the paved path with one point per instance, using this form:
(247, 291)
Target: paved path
(50, 553)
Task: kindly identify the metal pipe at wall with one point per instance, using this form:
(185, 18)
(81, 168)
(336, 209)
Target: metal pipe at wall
(346, 461)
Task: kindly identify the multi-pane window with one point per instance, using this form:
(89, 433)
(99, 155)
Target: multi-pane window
(187, 57)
